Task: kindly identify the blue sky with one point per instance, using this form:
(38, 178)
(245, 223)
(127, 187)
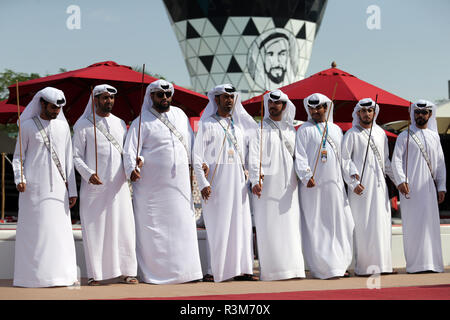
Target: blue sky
(408, 56)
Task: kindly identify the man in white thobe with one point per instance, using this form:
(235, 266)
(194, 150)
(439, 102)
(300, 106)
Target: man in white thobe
(419, 169)
(369, 199)
(326, 218)
(106, 210)
(221, 148)
(167, 247)
(276, 208)
(45, 248)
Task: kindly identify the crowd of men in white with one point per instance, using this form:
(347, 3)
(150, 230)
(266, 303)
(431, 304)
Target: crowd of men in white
(293, 182)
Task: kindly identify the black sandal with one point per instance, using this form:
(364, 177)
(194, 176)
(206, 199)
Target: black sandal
(246, 277)
(208, 278)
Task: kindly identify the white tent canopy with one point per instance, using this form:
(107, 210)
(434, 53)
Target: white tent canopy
(443, 117)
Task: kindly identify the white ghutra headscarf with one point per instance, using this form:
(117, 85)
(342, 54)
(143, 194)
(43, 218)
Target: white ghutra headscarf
(278, 95)
(365, 103)
(49, 94)
(240, 116)
(158, 85)
(315, 100)
(425, 105)
(98, 90)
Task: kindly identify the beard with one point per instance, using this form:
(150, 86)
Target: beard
(275, 113)
(162, 106)
(50, 115)
(276, 74)
(106, 108)
(421, 121)
(365, 121)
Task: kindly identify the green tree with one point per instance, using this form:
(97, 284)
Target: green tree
(9, 77)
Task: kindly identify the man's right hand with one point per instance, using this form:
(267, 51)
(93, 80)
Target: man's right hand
(139, 162)
(403, 188)
(359, 189)
(257, 190)
(205, 169)
(135, 175)
(311, 183)
(21, 187)
(94, 179)
(206, 192)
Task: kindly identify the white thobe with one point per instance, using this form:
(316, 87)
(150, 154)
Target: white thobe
(167, 246)
(45, 248)
(227, 211)
(371, 210)
(277, 211)
(326, 219)
(420, 213)
(106, 210)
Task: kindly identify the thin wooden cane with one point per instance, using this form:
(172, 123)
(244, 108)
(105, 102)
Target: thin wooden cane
(20, 131)
(3, 186)
(95, 130)
(368, 143)
(140, 115)
(407, 148)
(325, 130)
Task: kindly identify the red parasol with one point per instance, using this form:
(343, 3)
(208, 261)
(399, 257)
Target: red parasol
(76, 86)
(350, 91)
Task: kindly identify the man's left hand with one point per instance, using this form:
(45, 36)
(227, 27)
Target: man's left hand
(441, 196)
(72, 201)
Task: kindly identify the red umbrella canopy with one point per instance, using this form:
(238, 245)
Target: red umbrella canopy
(8, 112)
(77, 84)
(349, 91)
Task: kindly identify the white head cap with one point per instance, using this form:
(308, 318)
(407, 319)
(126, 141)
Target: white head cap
(240, 116)
(425, 105)
(49, 94)
(158, 85)
(315, 100)
(98, 90)
(278, 95)
(365, 103)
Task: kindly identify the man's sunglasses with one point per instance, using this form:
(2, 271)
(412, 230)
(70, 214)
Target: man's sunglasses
(424, 112)
(161, 94)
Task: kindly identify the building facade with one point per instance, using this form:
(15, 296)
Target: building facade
(256, 45)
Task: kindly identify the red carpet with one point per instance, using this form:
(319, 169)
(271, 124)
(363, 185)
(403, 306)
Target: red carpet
(439, 292)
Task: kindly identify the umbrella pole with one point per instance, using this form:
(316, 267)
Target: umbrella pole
(324, 130)
(368, 142)
(3, 187)
(140, 115)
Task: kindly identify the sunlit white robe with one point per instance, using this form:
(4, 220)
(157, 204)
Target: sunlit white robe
(326, 219)
(371, 210)
(277, 211)
(106, 210)
(420, 213)
(167, 247)
(227, 212)
(45, 248)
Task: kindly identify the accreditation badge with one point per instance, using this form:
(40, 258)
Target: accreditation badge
(230, 156)
(323, 155)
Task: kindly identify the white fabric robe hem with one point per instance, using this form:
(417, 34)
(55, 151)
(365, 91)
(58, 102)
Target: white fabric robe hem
(331, 274)
(382, 269)
(185, 278)
(283, 275)
(44, 283)
(426, 267)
